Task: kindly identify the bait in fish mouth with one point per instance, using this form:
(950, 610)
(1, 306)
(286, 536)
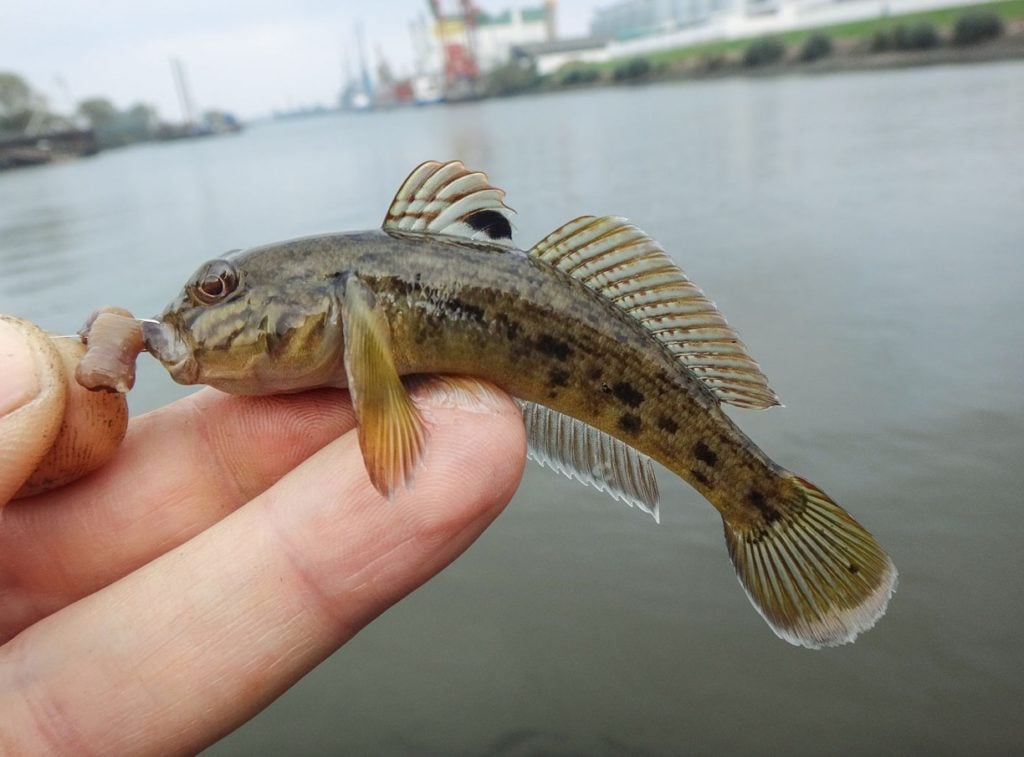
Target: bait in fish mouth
(616, 358)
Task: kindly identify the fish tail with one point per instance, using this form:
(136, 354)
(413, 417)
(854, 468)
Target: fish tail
(812, 571)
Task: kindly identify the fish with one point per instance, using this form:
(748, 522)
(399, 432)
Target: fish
(616, 359)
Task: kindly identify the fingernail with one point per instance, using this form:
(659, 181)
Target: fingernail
(19, 371)
(462, 392)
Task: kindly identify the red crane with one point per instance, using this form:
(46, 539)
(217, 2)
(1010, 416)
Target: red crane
(460, 63)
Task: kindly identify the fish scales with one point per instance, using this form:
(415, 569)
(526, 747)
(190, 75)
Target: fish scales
(615, 354)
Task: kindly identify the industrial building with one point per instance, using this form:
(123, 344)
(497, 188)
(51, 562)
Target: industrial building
(454, 49)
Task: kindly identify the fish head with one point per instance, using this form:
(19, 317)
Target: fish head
(247, 326)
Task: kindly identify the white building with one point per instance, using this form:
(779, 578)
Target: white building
(548, 57)
(497, 34)
(636, 18)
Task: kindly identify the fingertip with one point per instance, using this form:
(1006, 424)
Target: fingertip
(479, 451)
(471, 468)
(490, 425)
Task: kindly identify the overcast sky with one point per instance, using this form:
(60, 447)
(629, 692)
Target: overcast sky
(247, 56)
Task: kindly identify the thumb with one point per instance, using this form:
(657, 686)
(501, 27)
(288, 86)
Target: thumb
(52, 431)
(32, 396)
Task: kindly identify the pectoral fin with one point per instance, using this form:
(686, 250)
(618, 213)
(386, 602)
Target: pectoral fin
(391, 432)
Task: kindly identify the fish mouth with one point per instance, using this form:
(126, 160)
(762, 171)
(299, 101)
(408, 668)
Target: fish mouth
(163, 343)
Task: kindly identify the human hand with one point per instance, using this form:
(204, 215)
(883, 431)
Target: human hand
(228, 546)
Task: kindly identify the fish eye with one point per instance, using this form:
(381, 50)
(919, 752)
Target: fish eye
(214, 284)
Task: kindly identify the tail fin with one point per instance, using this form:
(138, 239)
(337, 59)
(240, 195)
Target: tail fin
(814, 573)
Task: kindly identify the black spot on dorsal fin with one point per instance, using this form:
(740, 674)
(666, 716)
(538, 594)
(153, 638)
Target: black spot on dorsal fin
(492, 223)
(449, 199)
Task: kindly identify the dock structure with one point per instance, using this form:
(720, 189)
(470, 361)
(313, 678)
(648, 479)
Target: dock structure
(36, 149)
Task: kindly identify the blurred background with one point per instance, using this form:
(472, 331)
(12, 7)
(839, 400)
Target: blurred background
(845, 179)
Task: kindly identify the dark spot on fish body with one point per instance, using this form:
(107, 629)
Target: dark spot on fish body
(510, 328)
(757, 499)
(594, 373)
(853, 568)
(468, 310)
(702, 452)
(558, 377)
(630, 423)
(553, 347)
(700, 477)
(627, 393)
(667, 425)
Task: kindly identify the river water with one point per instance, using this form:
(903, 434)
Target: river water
(865, 234)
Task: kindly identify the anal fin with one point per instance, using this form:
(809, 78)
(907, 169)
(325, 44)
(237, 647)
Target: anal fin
(583, 453)
(392, 435)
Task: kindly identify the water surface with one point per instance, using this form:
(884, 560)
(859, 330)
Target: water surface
(865, 234)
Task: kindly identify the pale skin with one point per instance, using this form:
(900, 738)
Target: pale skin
(226, 548)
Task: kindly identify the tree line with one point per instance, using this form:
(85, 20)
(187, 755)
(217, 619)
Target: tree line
(27, 112)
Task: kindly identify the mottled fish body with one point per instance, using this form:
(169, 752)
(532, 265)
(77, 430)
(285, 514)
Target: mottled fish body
(615, 357)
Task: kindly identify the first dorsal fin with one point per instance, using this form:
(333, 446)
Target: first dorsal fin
(628, 268)
(447, 198)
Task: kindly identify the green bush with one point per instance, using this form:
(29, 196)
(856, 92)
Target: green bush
(711, 62)
(580, 75)
(882, 41)
(815, 47)
(632, 69)
(919, 36)
(976, 26)
(764, 51)
(512, 78)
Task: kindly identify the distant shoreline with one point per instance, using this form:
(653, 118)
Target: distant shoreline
(1005, 48)
(974, 33)
(1009, 47)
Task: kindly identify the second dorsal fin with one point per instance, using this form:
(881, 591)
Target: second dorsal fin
(616, 259)
(447, 198)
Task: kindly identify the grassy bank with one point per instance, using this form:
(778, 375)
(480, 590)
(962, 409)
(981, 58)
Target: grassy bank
(944, 19)
(911, 39)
